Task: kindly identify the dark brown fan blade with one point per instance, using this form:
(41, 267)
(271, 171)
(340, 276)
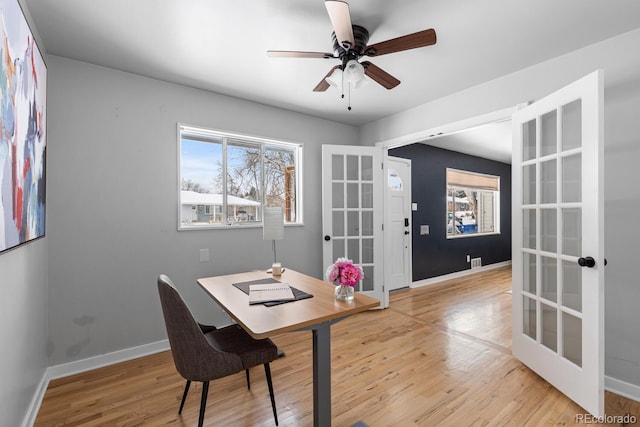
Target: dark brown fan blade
(323, 84)
(379, 75)
(298, 54)
(410, 41)
(341, 22)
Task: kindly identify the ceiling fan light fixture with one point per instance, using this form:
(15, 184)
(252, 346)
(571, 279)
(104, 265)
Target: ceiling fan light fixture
(354, 71)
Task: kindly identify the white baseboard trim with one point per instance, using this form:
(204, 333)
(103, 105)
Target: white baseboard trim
(78, 366)
(622, 388)
(36, 401)
(457, 274)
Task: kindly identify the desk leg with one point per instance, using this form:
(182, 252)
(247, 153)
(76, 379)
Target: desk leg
(322, 375)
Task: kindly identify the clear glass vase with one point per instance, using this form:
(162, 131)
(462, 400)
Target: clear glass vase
(345, 293)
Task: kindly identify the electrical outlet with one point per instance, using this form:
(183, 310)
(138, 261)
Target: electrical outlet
(204, 255)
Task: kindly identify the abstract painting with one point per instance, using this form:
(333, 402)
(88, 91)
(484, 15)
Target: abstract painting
(23, 91)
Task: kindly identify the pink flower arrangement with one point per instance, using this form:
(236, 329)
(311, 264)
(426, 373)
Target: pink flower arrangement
(345, 272)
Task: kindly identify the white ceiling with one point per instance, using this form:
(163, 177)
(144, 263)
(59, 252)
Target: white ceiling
(220, 46)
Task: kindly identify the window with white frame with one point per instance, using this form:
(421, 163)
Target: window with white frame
(473, 204)
(226, 179)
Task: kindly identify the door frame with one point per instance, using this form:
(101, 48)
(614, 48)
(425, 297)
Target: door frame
(448, 129)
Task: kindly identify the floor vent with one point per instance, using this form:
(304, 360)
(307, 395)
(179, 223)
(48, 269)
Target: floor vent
(476, 262)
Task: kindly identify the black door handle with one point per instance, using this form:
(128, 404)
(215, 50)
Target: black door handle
(587, 262)
(406, 232)
(327, 238)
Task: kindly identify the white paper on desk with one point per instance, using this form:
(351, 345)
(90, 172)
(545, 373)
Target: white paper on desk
(270, 292)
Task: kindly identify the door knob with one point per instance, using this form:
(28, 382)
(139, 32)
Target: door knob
(587, 262)
(327, 238)
(406, 232)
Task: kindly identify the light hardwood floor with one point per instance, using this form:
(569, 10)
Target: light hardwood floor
(438, 356)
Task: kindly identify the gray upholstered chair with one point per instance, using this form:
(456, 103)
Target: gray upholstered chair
(204, 353)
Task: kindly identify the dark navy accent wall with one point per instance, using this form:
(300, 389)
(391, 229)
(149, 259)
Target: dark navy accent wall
(433, 254)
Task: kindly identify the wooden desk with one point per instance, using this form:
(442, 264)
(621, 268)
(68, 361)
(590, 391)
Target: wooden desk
(316, 314)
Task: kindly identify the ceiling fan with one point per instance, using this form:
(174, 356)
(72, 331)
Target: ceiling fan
(350, 45)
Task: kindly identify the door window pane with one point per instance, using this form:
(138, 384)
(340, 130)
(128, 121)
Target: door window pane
(338, 195)
(352, 168)
(337, 167)
(338, 224)
(572, 125)
(353, 223)
(549, 327)
(529, 140)
(529, 185)
(572, 338)
(529, 317)
(572, 285)
(353, 195)
(353, 250)
(367, 168)
(572, 231)
(548, 181)
(549, 279)
(548, 133)
(572, 178)
(367, 196)
(548, 230)
(530, 272)
(529, 228)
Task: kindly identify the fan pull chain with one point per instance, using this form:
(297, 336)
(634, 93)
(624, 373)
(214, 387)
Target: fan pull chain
(349, 101)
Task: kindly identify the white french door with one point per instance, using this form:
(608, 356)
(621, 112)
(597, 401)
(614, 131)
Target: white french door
(352, 212)
(558, 240)
(397, 220)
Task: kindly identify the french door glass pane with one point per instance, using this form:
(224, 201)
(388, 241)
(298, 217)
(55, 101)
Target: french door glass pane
(353, 223)
(529, 315)
(548, 133)
(367, 251)
(367, 168)
(529, 140)
(529, 228)
(549, 327)
(367, 196)
(338, 224)
(367, 223)
(572, 125)
(549, 278)
(530, 273)
(529, 185)
(548, 181)
(572, 285)
(572, 231)
(353, 195)
(352, 168)
(337, 167)
(367, 282)
(548, 230)
(572, 178)
(338, 195)
(572, 338)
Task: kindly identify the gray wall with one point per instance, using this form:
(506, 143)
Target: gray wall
(23, 328)
(112, 203)
(619, 59)
(23, 325)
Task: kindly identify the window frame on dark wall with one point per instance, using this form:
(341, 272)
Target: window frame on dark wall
(472, 204)
(226, 179)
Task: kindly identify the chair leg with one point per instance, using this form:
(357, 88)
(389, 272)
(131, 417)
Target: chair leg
(184, 396)
(267, 371)
(203, 402)
(248, 379)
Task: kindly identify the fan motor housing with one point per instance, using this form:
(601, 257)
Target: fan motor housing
(360, 37)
